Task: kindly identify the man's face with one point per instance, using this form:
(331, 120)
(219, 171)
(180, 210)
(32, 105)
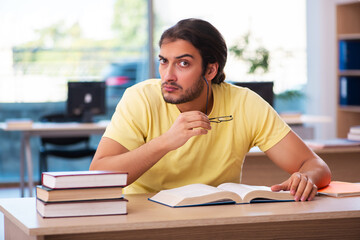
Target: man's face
(181, 71)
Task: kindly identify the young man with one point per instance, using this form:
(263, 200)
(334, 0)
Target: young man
(192, 127)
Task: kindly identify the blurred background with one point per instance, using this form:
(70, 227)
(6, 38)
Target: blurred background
(44, 44)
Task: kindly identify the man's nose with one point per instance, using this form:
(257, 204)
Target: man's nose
(169, 74)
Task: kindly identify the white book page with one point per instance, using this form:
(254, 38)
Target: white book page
(192, 190)
(242, 189)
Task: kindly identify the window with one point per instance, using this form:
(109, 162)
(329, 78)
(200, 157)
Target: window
(45, 43)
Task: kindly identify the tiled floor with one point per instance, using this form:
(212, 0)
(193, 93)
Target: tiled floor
(7, 193)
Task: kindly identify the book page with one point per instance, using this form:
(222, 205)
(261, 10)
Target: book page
(242, 189)
(193, 190)
(194, 194)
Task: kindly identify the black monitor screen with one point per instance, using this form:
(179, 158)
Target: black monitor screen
(264, 89)
(86, 99)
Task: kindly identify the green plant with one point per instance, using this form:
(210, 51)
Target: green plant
(290, 95)
(257, 59)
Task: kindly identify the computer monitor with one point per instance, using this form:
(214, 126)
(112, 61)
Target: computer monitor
(264, 89)
(86, 99)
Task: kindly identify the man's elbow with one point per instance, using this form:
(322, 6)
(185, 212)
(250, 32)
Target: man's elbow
(326, 176)
(95, 164)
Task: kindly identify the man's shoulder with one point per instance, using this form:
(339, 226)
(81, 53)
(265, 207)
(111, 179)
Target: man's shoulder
(147, 84)
(230, 89)
(148, 90)
(144, 88)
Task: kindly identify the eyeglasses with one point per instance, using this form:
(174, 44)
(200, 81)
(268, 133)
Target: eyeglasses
(215, 119)
(221, 119)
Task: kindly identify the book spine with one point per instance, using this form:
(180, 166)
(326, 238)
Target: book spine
(349, 54)
(81, 173)
(342, 55)
(87, 187)
(349, 91)
(84, 201)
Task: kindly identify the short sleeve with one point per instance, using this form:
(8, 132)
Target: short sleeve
(266, 126)
(129, 122)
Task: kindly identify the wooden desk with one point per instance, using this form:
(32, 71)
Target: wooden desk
(325, 217)
(305, 119)
(344, 164)
(48, 130)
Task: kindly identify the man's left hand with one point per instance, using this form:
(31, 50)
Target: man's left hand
(299, 185)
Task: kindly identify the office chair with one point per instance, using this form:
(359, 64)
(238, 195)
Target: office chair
(264, 89)
(68, 148)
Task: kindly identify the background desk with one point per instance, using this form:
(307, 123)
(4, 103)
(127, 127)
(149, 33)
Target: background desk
(48, 130)
(344, 164)
(325, 217)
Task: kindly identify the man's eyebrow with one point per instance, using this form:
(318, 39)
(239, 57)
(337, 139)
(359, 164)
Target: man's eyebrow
(184, 55)
(178, 57)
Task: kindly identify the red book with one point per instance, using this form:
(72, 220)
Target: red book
(341, 189)
(83, 179)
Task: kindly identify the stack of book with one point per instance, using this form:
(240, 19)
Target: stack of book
(354, 133)
(81, 193)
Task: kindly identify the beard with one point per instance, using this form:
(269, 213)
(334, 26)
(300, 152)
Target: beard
(189, 95)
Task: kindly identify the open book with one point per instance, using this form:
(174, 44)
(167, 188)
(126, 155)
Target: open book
(201, 194)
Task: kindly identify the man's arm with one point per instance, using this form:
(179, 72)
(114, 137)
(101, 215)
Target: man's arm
(111, 155)
(309, 171)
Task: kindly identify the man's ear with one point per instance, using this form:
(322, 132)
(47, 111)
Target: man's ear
(211, 71)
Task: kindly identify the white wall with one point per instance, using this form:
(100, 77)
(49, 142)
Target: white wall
(321, 62)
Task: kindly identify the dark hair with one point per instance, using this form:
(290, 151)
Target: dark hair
(204, 37)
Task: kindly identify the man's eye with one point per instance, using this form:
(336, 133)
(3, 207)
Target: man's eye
(162, 61)
(183, 63)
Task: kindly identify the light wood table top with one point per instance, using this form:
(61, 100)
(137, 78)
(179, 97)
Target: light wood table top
(144, 216)
(41, 129)
(334, 150)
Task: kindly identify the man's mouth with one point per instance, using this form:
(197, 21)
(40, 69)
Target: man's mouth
(170, 87)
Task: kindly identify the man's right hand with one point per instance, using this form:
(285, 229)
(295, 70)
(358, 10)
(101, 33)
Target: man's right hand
(111, 155)
(187, 125)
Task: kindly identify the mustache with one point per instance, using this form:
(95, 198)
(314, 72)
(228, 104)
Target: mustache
(174, 84)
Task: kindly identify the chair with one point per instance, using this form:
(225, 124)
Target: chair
(264, 89)
(68, 148)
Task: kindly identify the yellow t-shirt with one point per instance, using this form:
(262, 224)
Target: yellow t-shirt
(212, 159)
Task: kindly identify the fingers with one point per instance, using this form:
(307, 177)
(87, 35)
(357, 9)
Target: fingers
(302, 187)
(187, 125)
(313, 193)
(194, 120)
(299, 185)
(278, 187)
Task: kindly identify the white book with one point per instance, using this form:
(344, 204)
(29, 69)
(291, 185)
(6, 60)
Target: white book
(83, 179)
(81, 208)
(354, 137)
(355, 130)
